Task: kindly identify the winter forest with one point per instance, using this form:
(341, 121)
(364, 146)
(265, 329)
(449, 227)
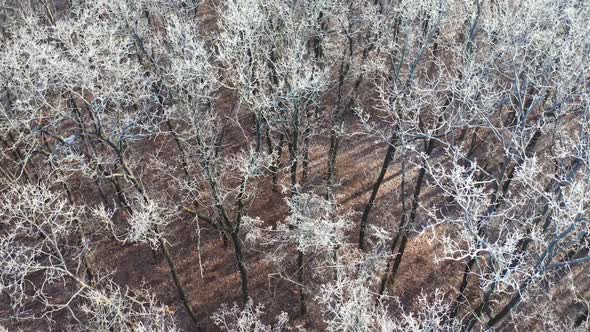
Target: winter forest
(294, 165)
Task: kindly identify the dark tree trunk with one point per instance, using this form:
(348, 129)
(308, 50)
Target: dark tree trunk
(404, 228)
(276, 164)
(365, 217)
(179, 288)
(241, 262)
(335, 130)
(387, 276)
(183, 161)
(258, 132)
(293, 168)
(268, 138)
(462, 287)
(305, 161)
(301, 281)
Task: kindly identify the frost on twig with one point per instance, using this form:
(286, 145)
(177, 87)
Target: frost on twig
(113, 309)
(248, 319)
(145, 224)
(36, 238)
(313, 226)
(349, 303)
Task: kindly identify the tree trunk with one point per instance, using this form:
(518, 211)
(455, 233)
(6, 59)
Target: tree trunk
(305, 161)
(365, 217)
(87, 149)
(183, 161)
(334, 132)
(293, 168)
(241, 262)
(429, 146)
(178, 284)
(276, 164)
(258, 132)
(301, 281)
(387, 276)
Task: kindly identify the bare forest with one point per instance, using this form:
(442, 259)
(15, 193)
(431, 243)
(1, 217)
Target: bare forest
(294, 165)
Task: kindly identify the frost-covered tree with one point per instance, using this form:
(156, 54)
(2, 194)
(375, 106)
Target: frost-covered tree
(248, 319)
(128, 125)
